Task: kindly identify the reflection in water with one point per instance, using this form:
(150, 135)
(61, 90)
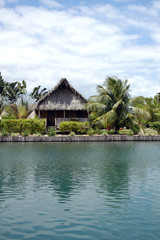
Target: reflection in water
(104, 187)
(66, 168)
(63, 170)
(114, 171)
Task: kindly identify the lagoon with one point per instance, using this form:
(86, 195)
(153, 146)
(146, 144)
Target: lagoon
(66, 191)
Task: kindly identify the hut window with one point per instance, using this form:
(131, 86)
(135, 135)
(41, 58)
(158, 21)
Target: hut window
(70, 114)
(51, 114)
(59, 114)
(43, 114)
(84, 114)
(78, 114)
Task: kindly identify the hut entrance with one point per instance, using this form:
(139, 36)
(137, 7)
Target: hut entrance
(50, 122)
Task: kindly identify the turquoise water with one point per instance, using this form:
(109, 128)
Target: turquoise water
(70, 191)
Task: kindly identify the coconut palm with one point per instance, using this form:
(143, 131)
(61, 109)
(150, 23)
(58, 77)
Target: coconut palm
(111, 106)
(21, 109)
(153, 107)
(146, 109)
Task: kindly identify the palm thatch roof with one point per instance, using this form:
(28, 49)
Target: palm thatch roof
(62, 97)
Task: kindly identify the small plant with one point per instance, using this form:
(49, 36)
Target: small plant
(13, 134)
(98, 131)
(25, 133)
(130, 132)
(5, 133)
(105, 133)
(110, 132)
(90, 132)
(51, 132)
(135, 128)
(72, 133)
(156, 126)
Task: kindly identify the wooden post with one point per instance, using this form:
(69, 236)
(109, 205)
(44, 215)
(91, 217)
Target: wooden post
(46, 123)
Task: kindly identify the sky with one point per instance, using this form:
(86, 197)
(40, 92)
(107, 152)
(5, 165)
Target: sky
(42, 41)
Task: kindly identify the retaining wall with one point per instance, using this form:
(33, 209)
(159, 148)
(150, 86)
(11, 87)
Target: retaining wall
(79, 138)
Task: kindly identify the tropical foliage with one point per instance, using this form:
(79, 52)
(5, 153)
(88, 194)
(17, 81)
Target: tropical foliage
(146, 109)
(110, 108)
(21, 109)
(156, 126)
(37, 93)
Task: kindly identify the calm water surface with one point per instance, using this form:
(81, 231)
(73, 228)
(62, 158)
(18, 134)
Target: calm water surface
(70, 191)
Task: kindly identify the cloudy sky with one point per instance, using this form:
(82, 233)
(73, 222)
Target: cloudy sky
(42, 41)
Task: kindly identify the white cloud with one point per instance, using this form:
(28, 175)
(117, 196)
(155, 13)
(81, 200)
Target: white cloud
(83, 44)
(141, 86)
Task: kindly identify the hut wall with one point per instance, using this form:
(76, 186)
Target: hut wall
(55, 117)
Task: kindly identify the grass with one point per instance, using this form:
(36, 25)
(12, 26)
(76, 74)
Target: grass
(150, 131)
(126, 132)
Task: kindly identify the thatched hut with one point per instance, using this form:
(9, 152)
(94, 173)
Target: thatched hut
(62, 103)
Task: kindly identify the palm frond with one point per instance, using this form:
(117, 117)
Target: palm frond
(137, 101)
(95, 107)
(141, 112)
(117, 104)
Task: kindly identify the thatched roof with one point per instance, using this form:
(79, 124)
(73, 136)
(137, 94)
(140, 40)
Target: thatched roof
(62, 97)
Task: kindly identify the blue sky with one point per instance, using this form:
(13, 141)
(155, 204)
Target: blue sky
(42, 41)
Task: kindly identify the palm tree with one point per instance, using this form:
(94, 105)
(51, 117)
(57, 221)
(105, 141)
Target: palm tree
(21, 109)
(111, 106)
(37, 93)
(146, 109)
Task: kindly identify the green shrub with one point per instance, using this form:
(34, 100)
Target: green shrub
(156, 126)
(72, 126)
(20, 125)
(135, 128)
(90, 132)
(25, 133)
(98, 131)
(130, 132)
(8, 117)
(51, 132)
(4, 133)
(72, 133)
(105, 133)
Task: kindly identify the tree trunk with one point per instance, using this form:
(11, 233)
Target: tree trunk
(116, 128)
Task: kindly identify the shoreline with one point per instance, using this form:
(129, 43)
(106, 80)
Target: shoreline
(82, 138)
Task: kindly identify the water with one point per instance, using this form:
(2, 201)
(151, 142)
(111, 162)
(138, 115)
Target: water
(70, 191)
